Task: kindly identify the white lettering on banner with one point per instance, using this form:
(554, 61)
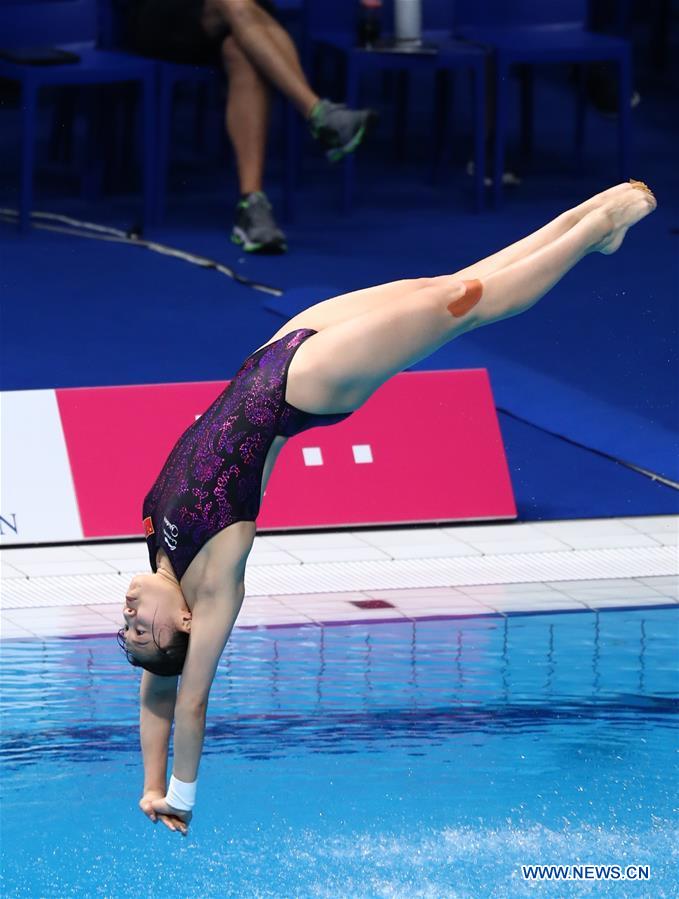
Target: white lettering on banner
(38, 496)
(5, 523)
(171, 533)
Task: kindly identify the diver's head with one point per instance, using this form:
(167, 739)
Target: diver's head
(157, 624)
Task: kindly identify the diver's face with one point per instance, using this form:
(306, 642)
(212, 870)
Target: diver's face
(150, 607)
(138, 612)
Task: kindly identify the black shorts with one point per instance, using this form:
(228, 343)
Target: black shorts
(172, 30)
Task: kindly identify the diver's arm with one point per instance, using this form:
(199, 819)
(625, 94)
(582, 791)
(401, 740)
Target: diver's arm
(157, 698)
(214, 614)
(189, 730)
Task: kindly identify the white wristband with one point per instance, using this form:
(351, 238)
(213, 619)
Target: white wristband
(181, 795)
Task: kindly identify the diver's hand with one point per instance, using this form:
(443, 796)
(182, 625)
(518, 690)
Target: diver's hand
(173, 819)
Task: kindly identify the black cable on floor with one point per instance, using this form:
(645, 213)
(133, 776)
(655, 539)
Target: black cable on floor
(64, 224)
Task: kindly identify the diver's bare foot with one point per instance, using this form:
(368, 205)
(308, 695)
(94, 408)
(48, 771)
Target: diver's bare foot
(641, 185)
(600, 199)
(620, 211)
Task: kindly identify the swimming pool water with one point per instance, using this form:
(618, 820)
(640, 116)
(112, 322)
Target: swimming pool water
(426, 759)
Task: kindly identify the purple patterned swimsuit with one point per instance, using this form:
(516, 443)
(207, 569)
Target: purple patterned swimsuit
(213, 476)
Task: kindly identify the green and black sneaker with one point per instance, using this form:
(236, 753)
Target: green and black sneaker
(255, 228)
(339, 129)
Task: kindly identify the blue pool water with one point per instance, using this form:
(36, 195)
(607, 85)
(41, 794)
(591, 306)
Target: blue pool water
(424, 759)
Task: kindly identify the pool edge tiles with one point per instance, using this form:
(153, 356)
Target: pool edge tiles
(339, 612)
(96, 588)
(55, 600)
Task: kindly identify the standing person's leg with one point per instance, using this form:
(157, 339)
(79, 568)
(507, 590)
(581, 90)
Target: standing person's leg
(252, 27)
(270, 49)
(283, 41)
(340, 367)
(246, 116)
(246, 119)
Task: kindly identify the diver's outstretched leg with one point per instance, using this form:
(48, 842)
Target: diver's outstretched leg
(337, 369)
(345, 306)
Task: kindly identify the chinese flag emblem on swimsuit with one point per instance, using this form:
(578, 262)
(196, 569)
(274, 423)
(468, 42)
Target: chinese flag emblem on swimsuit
(148, 526)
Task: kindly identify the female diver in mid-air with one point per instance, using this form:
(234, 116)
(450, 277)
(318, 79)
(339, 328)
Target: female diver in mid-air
(199, 516)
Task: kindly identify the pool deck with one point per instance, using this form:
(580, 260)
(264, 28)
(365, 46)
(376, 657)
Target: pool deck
(385, 574)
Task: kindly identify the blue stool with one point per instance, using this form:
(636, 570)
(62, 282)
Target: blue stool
(69, 25)
(527, 32)
(332, 28)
